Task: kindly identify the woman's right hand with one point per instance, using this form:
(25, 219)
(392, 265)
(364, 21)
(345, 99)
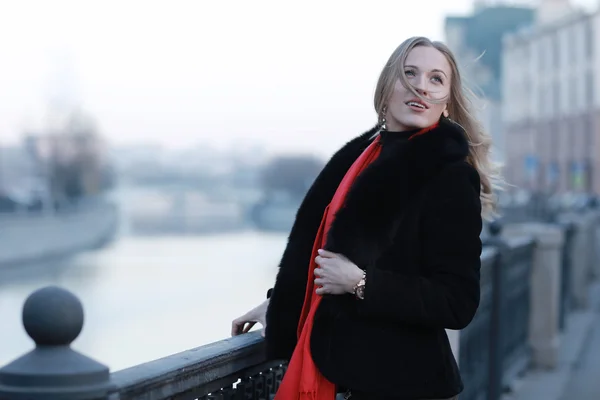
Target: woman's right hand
(244, 323)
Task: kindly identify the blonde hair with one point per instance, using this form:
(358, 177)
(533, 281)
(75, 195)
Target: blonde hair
(460, 104)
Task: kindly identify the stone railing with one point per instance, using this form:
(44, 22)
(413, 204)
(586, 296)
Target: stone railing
(494, 348)
(516, 328)
(533, 275)
(53, 318)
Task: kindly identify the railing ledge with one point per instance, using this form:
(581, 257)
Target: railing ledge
(203, 367)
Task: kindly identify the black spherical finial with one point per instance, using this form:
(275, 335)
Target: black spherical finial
(495, 228)
(53, 316)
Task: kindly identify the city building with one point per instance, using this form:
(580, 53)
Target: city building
(551, 105)
(476, 40)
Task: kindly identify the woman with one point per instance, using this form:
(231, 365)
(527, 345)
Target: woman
(384, 254)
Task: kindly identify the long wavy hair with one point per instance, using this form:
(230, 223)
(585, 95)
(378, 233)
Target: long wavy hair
(460, 105)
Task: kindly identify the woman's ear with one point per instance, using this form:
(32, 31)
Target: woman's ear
(445, 112)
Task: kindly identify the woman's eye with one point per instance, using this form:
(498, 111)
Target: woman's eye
(409, 72)
(438, 79)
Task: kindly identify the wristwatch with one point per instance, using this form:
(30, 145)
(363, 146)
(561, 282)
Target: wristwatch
(359, 288)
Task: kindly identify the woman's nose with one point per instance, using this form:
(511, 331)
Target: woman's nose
(421, 91)
(421, 85)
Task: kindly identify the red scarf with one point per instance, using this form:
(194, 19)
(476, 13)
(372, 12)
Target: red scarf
(302, 380)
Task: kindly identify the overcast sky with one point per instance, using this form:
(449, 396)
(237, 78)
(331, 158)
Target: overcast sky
(292, 74)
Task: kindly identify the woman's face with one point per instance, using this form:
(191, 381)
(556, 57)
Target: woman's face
(429, 72)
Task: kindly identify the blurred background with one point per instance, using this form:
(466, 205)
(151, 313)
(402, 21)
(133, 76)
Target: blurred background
(153, 153)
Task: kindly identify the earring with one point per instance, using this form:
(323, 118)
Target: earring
(382, 121)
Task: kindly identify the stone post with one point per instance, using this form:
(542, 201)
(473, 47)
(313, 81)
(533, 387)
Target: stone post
(589, 236)
(546, 275)
(580, 253)
(595, 243)
(497, 339)
(53, 318)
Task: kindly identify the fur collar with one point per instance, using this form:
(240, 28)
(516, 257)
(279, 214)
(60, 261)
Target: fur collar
(375, 204)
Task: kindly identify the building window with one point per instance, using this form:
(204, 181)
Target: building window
(556, 99)
(578, 175)
(554, 139)
(589, 39)
(556, 49)
(573, 45)
(588, 134)
(541, 55)
(589, 175)
(552, 175)
(589, 89)
(542, 100)
(573, 94)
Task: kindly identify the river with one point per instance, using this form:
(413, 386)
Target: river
(149, 297)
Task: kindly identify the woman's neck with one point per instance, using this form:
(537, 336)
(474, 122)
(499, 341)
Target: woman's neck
(394, 125)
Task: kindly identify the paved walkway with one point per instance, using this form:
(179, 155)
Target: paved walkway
(584, 383)
(578, 374)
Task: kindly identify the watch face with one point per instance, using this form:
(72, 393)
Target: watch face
(360, 292)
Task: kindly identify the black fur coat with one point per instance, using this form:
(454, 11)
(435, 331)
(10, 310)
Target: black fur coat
(412, 220)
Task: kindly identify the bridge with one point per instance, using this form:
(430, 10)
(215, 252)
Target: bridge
(538, 296)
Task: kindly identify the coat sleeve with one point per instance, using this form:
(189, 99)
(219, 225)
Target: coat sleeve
(285, 305)
(447, 294)
(287, 295)
(286, 298)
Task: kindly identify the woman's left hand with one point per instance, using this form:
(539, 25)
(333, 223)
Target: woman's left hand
(336, 274)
